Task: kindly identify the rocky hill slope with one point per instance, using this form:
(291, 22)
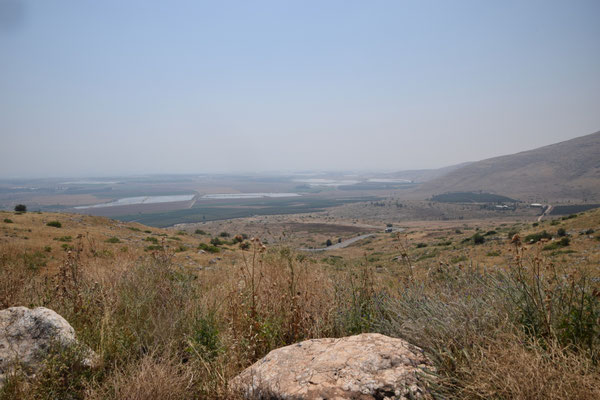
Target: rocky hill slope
(564, 171)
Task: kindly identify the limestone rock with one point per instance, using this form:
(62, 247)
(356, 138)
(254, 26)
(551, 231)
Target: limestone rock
(366, 366)
(26, 335)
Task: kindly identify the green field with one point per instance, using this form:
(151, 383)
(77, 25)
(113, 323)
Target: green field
(470, 197)
(228, 209)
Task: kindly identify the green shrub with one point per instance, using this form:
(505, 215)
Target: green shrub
(563, 242)
(478, 238)
(151, 239)
(113, 239)
(224, 234)
(536, 237)
(20, 208)
(54, 224)
(561, 232)
(63, 239)
(554, 222)
(216, 241)
(205, 338)
(493, 253)
(208, 248)
(421, 245)
(199, 232)
(8, 221)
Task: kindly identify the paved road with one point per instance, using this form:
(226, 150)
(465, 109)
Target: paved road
(547, 212)
(341, 245)
(345, 243)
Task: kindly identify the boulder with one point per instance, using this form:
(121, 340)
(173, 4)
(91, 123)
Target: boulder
(366, 366)
(26, 336)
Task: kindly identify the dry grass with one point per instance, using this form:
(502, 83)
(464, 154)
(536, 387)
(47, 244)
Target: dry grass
(505, 368)
(148, 378)
(164, 329)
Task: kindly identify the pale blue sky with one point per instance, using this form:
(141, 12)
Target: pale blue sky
(105, 87)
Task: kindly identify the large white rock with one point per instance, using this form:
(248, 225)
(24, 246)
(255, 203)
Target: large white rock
(366, 366)
(26, 336)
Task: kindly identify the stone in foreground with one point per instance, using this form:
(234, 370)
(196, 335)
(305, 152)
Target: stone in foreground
(366, 366)
(27, 335)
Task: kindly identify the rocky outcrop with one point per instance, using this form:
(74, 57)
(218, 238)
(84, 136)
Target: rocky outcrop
(26, 336)
(367, 366)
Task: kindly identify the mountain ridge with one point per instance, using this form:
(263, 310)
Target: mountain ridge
(563, 171)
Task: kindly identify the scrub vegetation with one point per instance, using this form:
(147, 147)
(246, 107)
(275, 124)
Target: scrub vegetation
(524, 327)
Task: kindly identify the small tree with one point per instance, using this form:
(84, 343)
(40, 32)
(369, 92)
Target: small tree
(21, 208)
(328, 243)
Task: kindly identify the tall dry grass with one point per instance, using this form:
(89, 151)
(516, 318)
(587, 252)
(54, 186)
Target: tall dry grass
(163, 331)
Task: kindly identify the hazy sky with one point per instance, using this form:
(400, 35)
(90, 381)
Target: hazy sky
(92, 87)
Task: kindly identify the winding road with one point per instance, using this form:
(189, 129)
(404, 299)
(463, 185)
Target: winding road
(345, 243)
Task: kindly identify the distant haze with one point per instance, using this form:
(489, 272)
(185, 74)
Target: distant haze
(92, 88)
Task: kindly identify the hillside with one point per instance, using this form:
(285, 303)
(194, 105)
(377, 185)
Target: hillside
(425, 175)
(165, 325)
(99, 242)
(564, 171)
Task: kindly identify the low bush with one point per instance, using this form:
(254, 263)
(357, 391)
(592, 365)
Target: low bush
(208, 248)
(54, 224)
(536, 237)
(216, 241)
(563, 242)
(478, 238)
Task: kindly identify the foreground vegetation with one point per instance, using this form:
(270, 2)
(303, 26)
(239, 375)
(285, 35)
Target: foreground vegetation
(529, 329)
